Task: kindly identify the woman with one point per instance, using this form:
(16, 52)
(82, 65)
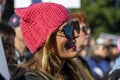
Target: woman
(50, 35)
(82, 43)
(84, 35)
(97, 62)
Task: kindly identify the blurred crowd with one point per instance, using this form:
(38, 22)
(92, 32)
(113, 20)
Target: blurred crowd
(98, 60)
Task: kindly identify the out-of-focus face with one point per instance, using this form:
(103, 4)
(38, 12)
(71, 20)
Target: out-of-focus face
(115, 51)
(101, 51)
(83, 36)
(66, 47)
(107, 41)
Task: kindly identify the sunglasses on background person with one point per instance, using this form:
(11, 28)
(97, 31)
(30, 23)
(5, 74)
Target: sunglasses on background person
(84, 28)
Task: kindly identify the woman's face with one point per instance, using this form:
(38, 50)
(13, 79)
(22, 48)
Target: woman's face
(83, 36)
(66, 47)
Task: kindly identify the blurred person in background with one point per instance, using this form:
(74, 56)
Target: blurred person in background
(113, 53)
(84, 35)
(7, 10)
(107, 42)
(97, 62)
(1, 3)
(22, 54)
(8, 35)
(114, 73)
(50, 34)
(82, 42)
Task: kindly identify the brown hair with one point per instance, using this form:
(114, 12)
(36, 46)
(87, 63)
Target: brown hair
(7, 35)
(81, 16)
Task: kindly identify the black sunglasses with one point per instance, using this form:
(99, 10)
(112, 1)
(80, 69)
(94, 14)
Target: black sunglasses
(69, 29)
(84, 29)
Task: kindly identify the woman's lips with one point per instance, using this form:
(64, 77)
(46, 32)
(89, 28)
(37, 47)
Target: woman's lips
(71, 46)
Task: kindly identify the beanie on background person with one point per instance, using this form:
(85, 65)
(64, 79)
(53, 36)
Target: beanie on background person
(39, 20)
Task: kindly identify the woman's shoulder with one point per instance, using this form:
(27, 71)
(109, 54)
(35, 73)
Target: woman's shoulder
(29, 74)
(34, 75)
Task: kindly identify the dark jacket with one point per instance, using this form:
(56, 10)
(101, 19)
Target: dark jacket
(23, 74)
(84, 69)
(1, 77)
(115, 75)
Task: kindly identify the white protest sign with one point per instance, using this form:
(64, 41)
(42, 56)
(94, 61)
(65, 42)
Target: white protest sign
(3, 63)
(66, 3)
(21, 3)
(24, 3)
(114, 38)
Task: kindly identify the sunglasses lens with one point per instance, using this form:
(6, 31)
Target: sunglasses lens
(76, 26)
(68, 31)
(85, 28)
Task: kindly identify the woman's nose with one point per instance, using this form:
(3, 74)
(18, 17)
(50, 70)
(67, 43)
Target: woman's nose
(88, 31)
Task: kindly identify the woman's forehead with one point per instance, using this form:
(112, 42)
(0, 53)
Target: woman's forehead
(83, 24)
(65, 23)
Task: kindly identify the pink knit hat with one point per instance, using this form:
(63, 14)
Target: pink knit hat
(39, 20)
